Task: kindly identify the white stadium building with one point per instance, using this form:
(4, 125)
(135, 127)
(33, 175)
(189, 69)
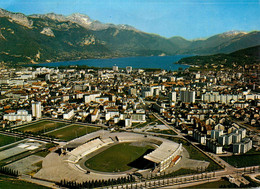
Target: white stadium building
(166, 152)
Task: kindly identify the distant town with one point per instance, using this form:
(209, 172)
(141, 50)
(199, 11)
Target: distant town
(77, 111)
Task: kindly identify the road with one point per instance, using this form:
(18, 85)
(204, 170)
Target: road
(174, 182)
(228, 169)
(167, 125)
(244, 125)
(188, 180)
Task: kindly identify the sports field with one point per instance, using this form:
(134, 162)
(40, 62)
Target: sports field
(72, 131)
(4, 139)
(42, 126)
(117, 158)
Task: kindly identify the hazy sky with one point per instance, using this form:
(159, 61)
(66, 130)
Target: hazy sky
(187, 18)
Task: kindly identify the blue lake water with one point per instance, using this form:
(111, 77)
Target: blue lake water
(162, 62)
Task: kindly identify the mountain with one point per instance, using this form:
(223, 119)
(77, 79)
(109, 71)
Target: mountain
(46, 40)
(54, 37)
(223, 43)
(180, 42)
(82, 20)
(16, 17)
(241, 57)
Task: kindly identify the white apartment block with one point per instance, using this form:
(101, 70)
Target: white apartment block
(68, 115)
(138, 117)
(128, 122)
(200, 137)
(214, 146)
(36, 109)
(187, 96)
(223, 98)
(242, 147)
(91, 97)
(94, 115)
(215, 134)
(173, 96)
(21, 115)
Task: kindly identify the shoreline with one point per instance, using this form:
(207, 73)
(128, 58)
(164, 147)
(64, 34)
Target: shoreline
(137, 62)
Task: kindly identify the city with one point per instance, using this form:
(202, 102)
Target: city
(129, 94)
(212, 112)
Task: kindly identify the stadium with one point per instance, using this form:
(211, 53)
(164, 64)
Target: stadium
(70, 160)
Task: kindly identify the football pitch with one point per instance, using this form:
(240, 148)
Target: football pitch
(117, 158)
(42, 126)
(72, 131)
(4, 140)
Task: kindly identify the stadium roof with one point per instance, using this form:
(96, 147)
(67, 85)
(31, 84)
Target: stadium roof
(166, 149)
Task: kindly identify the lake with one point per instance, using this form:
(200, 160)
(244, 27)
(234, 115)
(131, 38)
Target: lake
(162, 62)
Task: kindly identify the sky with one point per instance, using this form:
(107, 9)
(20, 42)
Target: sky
(191, 19)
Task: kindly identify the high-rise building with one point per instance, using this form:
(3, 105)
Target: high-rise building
(188, 96)
(36, 109)
(47, 77)
(215, 134)
(173, 96)
(115, 68)
(129, 69)
(128, 122)
(197, 75)
(132, 91)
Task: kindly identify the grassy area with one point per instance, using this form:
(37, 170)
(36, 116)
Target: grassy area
(4, 139)
(116, 158)
(140, 125)
(154, 119)
(73, 131)
(251, 158)
(41, 127)
(184, 172)
(196, 154)
(252, 184)
(43, 153)
(14, 183)
(217, 184)
(168, 132)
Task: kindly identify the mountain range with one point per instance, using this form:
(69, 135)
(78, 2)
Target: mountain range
(53, 37)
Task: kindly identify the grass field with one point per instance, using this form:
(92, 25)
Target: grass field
(13, 183)
(251, 158)
(116, 158)
(252, 184)
(221, 183)
(42, 126)
(43, 153)
(168, 132)
(71, 132)
(4, 140)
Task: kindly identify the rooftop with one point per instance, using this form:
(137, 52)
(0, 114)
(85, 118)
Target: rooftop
(166, 149)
